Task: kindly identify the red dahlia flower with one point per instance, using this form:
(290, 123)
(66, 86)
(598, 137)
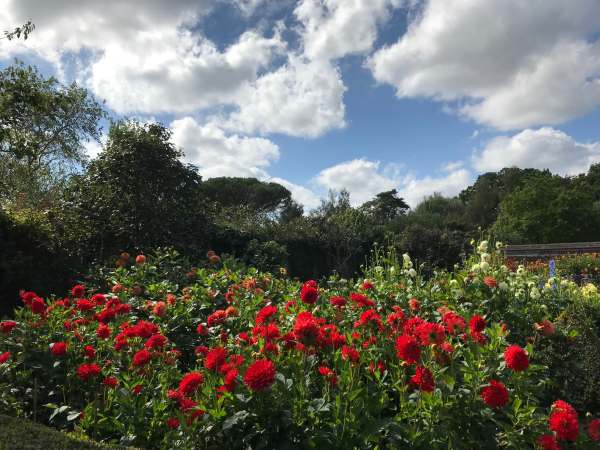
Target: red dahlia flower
(350, 353)
(265, 314)
(454, 322)
(495, 395)
(78, 291)
(156, 341)
(408, 349)
(548, 442)
(58, 349)
(562, 406)
(84, 304)
(306, 328)
(362, 300)
(7, 326)
(430, 333)
(565, 425)
(111, 382)
(477, 324)
(190, 382)
(103, 331)
(516, 358)
(89, 351)
(328, 374)
(260, 375)
(4, 357)
(338, 301)
(490, 282)
(216, 318)
(173, 422)
(594, 430)
(86, 371)
(215, 358)
(423, 379)
(141, 358)
(309, 293)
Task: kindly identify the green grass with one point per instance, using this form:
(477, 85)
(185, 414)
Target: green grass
(21, 434)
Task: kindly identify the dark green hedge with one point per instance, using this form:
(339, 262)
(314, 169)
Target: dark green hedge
(21, 434)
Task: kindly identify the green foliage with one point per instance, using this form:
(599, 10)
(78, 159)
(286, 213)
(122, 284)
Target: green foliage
(135, 195)
(42, 129)
(19, 434)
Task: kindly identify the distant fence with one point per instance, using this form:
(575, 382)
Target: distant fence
(546, 251)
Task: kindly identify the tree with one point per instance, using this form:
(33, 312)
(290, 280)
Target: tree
(43, 126)
(136, 194)
(386, 206)
(23, 30)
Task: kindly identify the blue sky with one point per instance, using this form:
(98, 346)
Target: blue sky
(319, 95)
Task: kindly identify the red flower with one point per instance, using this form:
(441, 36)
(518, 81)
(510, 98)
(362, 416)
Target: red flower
(546, 327)
(89, 351)
(362, 300)
(338, 301)
(137, 389)
(265, 314)
(260, 375)
(565, 425)
(141, 358)
(594, 430)
(103, 331)
(328, 374)
(78, 291)
(215, 358)
(548, 442)
(350, 353)
(562, 406)
(477, 324)
(190, 382)
(160, 309)
(4, 357)
(408, 349)
(230, 380)
(173, 422)
(370, 316)
(309, 293)
(86, 371)
(516, 358)
(495, 395)
(414, 304)
(58, 349)
(216, 318)
(7, 326)
(140, 259)
(423, 379)
(430, 333)
(98, 299)
(306, 328)
(111, 382)
(490, 282)
(37, 305)
(156, 341)
(84, 305)
(454, 322)
(395, 320)
(367, 285)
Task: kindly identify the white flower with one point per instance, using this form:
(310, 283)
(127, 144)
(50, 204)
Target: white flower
(534, 294)
(486, 257)
(412, 272)
(503, 286)
(483, 246)
(475, 268)
(484, 266)
(499, 245)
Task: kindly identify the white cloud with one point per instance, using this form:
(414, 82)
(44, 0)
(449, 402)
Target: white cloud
(414, 189)
(544, 148)
(143, 58)
(217, 154)
(360, 177)
(511, 63)
(300, 194)
(301, 98)
(334, 28)
(364, 179)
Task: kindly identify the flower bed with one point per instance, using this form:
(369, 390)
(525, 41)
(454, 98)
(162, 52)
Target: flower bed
(240, 359)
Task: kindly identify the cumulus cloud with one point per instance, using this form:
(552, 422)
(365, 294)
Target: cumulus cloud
(509, 64)
(360, 177)
(216, 153)
(364, 179)
(544, 148)
(301, 98)
(414, 189)
(141, 55)
(334, 28)
(300, 194)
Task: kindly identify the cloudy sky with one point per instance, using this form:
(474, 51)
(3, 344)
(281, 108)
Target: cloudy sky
(367, 95)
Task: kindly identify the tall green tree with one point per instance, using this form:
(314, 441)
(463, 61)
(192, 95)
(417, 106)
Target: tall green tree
(43, 128)
(137, 194)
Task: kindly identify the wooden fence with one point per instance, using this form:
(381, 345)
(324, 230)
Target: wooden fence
(546, 251)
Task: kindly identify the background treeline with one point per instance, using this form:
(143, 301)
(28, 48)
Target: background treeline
(61, 214)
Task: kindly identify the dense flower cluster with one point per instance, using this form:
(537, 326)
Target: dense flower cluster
(254, 352)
